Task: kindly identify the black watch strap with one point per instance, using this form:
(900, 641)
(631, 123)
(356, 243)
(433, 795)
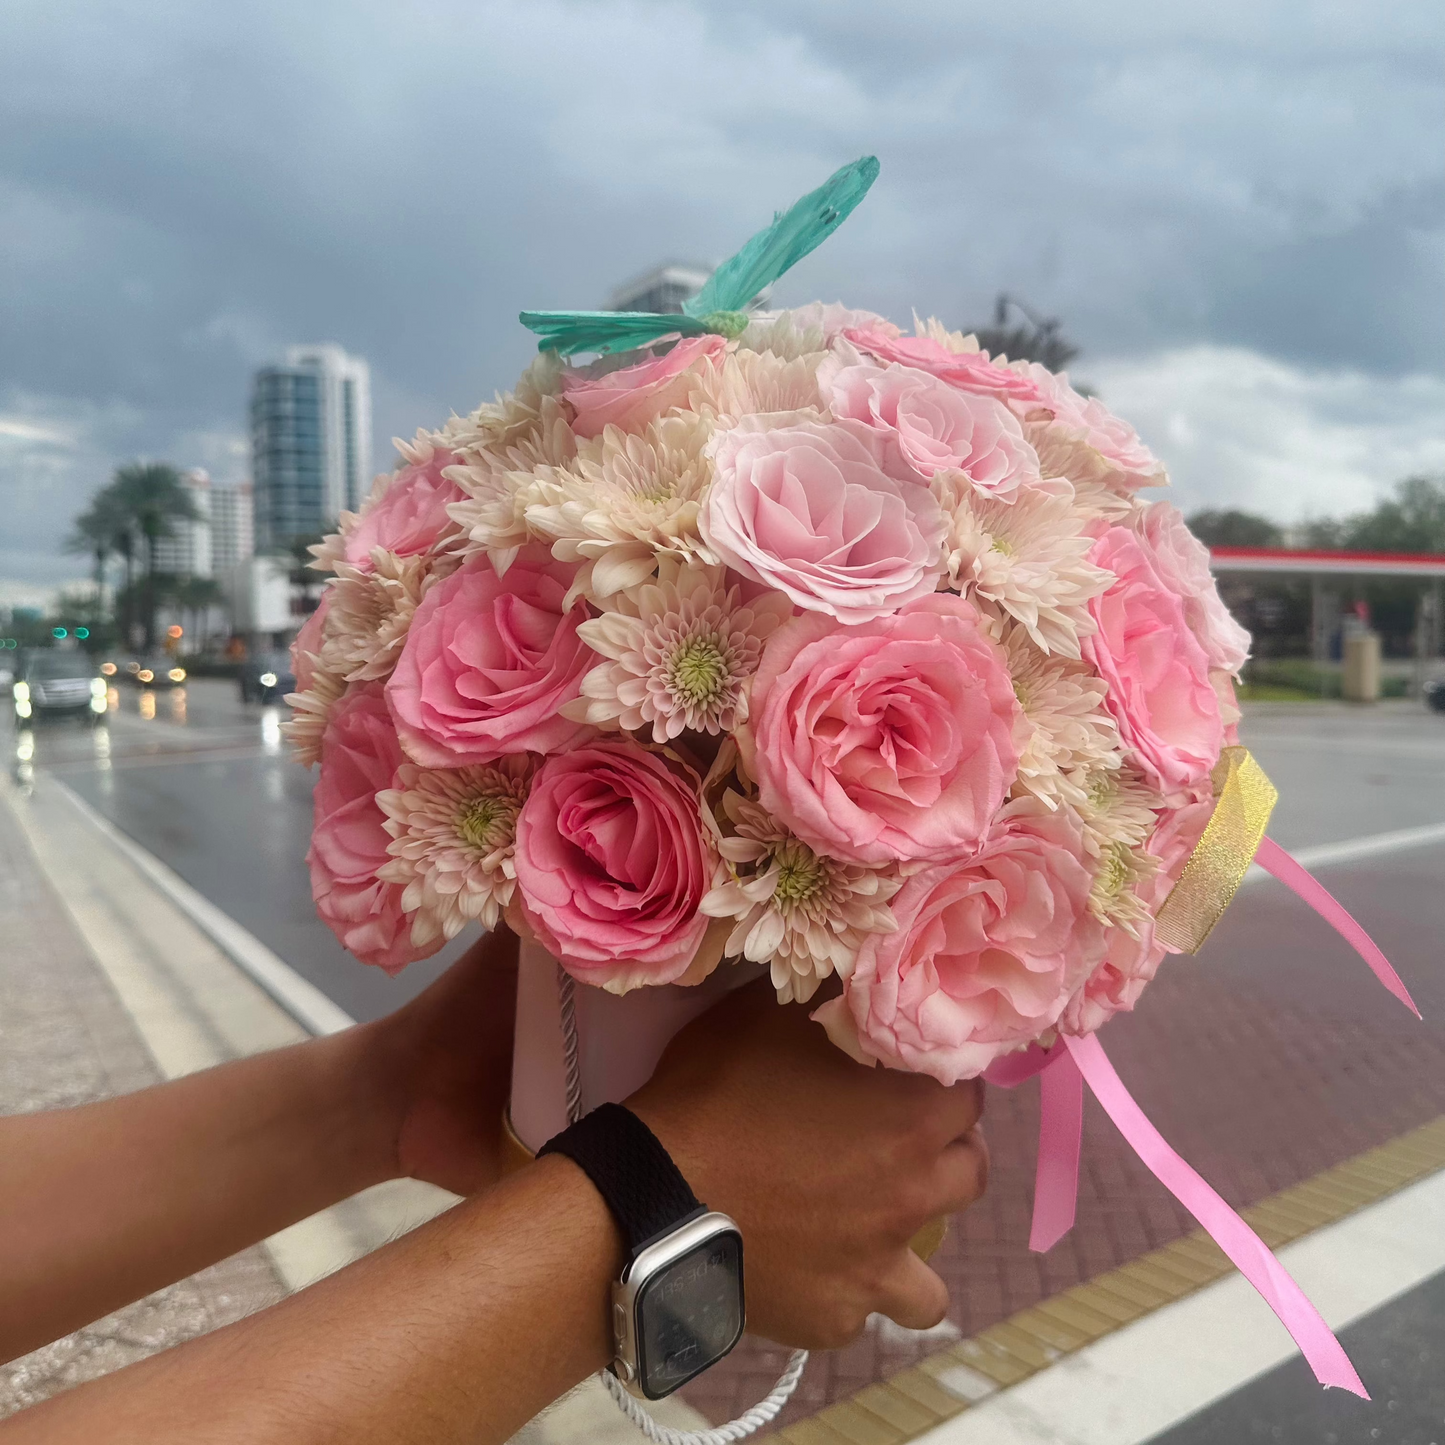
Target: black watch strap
(633, 1173)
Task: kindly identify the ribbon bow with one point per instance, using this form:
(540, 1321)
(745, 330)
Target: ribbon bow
(720, 308)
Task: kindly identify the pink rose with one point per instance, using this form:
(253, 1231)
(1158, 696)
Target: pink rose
(1132, 960)
(895, 739)
(985, 957)
(307, 645)
(967, 370)
(1182, 562)
(488, 663)
(1117, 455)
(636, 395)
(806, 507)
(1158, 675)
(931, 426)
(359, 757)
(612, 865)
(410, 516)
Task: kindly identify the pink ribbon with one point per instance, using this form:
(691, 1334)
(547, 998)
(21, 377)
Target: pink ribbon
(1061, 1130)
(1273, 859)
(1323, 1352)
(1067, 1064)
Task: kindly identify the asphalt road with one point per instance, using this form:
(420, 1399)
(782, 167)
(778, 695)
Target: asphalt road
(1399, 1350)
(203, 782)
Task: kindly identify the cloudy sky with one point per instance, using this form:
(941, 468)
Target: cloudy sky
(1237, 209)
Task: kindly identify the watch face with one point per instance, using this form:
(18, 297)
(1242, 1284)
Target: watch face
(690, 1314)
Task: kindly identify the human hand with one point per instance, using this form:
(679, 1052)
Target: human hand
(447, 1059)
(828, 1167)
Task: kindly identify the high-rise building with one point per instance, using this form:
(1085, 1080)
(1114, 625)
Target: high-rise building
(662, 289)
(666, 288)
(186, 552)
(233, 531)
(310, 442)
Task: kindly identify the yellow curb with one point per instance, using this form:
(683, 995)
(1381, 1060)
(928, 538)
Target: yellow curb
(945, 1384)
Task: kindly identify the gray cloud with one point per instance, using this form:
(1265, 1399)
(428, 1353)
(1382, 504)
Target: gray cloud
(183, 189)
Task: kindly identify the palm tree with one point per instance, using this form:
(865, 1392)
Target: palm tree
(155, 498)
(103, 530)
(196, 596)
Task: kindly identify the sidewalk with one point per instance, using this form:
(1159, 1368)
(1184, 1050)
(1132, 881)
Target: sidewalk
(106, 986)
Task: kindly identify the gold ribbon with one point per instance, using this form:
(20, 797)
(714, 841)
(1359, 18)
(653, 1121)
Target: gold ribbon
(1245, 797)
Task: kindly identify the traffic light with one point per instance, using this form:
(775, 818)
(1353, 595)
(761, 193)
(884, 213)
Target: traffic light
(58, 633)
(82, 633)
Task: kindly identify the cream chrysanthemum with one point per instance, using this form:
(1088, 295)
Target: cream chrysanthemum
(1114, 899)
(1118, 807)
(453, 835)
(803, 914)
(627, 500)
(749, 382)
(1024, 557)
(805, 329)
(310, 712)
(680, 651)
(1073, 733)
(512, 419)
(498, 479)
(371, 611)
(934, 330)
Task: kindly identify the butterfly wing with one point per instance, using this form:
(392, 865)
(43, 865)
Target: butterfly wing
(604, 332)
(801, 228)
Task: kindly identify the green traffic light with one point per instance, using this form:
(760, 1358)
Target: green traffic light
(82, 633)
(58, 632)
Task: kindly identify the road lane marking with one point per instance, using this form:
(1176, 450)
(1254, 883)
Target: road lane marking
(1131, 1385)
(1354, 850)
(311, 1008)
(1128, 1353)
(192, 1002)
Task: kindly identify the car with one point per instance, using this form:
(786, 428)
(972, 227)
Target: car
(1435, 696)
(153, 671)
(266, 678)
(56, 682)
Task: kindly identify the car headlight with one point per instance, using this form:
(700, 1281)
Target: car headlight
(177, 674)
(267, 679)
(97, 687)
(22, 707)
(146, 675)
(98, 703)
(21, 691)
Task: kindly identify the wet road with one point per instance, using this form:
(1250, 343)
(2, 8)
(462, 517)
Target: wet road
(203, 782)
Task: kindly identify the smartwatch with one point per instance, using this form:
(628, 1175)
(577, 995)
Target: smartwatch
(678, 1307)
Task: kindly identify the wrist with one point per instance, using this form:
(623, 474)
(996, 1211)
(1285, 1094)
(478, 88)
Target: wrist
(375, 1066)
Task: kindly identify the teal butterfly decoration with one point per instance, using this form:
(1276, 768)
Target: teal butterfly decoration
(719, 309)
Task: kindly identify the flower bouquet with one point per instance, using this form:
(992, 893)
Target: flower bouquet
(798, 642)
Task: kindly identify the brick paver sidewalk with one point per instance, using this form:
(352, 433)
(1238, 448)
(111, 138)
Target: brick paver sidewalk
(65, 1039)
(1270, 1057)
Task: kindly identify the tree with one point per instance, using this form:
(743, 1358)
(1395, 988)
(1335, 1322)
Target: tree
(1232, 528)
(1413, 520)
(102, 531)
(1034, 339)
(195, 596)
(155, 498)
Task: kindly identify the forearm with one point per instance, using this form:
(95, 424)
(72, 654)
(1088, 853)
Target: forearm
(459, 1332)
(102, 1204)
